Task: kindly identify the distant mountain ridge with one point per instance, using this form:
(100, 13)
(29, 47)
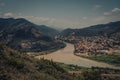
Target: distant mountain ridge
(47, 30)
(11, 22)
(103, 38)
(24, 35)
(96, 30)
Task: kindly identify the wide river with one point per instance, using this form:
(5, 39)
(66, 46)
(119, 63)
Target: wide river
(66, 56)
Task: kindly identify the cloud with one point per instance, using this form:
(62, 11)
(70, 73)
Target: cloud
(8, 14)
(53, 22)
(106, 13)
(116, 10)
(97, 6)
(35, 19)
(42, 20)
(84, 18)
(109, 16)
(112, 12)
(38, 19)
(112, 15)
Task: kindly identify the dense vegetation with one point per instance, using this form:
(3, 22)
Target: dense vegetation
(15, 65)
(19, 66)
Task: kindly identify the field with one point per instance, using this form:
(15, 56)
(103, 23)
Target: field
(108, 58)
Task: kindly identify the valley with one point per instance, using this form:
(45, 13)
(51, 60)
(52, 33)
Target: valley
(59, 40)
(37, 52)
(23, 35)
(67, 56)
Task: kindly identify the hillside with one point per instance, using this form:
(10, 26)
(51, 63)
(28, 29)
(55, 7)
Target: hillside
(96, 30)
(47, 30)
(23, 35)
(103, 38)
(10, 22)
(16, 65)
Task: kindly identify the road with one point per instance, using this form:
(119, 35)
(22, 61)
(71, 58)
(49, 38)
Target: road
(66, 56)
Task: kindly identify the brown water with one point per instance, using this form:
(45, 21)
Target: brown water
(66, 56)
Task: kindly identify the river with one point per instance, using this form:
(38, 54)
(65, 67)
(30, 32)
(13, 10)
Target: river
(66, 56)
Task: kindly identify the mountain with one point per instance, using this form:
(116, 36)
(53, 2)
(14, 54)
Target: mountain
(103, 38)
(24, 35)
(96, 30)
(47, 30)
(10, 22)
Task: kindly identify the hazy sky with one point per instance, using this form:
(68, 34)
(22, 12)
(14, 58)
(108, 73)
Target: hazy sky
(62, 13)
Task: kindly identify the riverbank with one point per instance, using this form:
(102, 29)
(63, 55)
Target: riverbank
(67, 56)
(46, 52)
(107, 58)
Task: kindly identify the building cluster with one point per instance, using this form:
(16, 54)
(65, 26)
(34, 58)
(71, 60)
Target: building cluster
(96, 44)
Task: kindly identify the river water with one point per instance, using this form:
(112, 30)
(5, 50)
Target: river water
(66, 56)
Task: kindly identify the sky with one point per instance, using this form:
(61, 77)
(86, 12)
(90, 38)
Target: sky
(61, 14)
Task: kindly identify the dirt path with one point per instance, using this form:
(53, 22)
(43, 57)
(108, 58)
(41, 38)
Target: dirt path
(66, 56)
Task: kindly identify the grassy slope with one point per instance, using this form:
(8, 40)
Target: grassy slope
(16, 65)
(108, 58)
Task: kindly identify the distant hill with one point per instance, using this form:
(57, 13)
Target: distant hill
(11, 22)
(47, 30)
(104, 38)
(24, 35)
(109, 29)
